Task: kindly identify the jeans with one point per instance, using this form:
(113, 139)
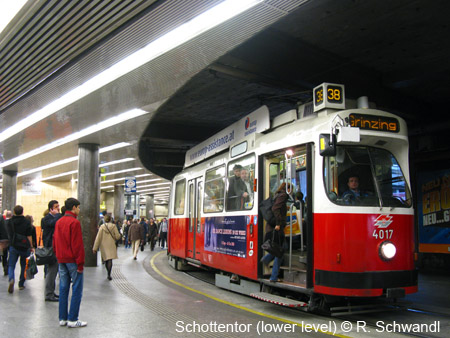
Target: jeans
(14, 255)
(68, 273)
(276, 265)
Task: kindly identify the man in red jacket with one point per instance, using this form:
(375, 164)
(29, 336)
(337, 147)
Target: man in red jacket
(69, 250)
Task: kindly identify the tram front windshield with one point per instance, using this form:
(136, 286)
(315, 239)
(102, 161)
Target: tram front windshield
(365, 176)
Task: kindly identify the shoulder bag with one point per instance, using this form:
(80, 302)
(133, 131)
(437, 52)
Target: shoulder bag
(44, 255)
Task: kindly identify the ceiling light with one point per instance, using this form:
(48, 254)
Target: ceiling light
(75, 136)
(198, 25)
(114, 147)
(48, 166)
(152, 189)
(8, 10)
(121, 171)
(59, 175)
(123, 179)
(153, 185)
(116, 162)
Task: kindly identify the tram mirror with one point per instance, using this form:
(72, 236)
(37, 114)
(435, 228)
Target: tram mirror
(326, 147)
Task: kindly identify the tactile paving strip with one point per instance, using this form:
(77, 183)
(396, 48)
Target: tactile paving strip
(157, 307)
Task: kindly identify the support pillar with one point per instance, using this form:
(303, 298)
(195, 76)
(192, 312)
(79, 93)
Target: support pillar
(89, 197)
(119, 202)
(9, 190)
(150, 206)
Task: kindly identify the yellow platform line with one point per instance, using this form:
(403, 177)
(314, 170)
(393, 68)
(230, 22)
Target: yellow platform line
(152, 263)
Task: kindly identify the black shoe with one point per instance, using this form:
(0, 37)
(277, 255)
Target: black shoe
(52, 299)
(55, 295)
(109, 278)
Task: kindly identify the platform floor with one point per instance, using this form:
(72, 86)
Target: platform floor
(147, 298)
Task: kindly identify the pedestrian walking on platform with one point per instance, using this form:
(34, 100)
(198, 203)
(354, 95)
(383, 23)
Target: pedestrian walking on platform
(107, 236)
(135, 237)
(21, 245)
(69, 249)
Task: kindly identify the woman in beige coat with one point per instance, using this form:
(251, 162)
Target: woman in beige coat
(106, 239)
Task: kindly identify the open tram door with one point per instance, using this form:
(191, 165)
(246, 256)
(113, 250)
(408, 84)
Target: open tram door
(291, 165)
(195, 189)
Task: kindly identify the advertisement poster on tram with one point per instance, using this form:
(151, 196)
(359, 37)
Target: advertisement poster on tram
(227, 235)
(433, 211)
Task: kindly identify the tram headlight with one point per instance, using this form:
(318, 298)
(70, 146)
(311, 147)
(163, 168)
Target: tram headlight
(387, 250)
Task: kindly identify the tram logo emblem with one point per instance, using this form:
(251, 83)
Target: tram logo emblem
(383, 221)
(247, 123)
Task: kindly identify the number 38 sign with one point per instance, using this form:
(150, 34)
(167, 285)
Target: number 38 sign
(329, 95)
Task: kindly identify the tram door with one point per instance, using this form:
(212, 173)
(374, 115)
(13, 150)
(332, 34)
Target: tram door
(195, 191)
(290, 166)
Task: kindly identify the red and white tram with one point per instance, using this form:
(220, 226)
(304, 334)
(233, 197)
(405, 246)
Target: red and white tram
(338, 248)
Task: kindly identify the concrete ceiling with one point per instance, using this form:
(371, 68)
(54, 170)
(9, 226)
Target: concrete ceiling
(393, 51)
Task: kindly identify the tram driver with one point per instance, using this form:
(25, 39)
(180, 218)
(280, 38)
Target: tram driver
(353, 195)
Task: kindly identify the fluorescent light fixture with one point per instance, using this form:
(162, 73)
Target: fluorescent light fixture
(152, 185)
(107, 187)
(8, 10)
(131, 114)
(116, 162)
(153, 189)
(114, 147)
(60, 175)
(48, 166)
(72, 159)
(123, 178)
(121, 171)
(187, 31)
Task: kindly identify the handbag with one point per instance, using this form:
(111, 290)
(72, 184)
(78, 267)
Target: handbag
(31, 267)
(44, 255)
(273, 247)
(117, 242)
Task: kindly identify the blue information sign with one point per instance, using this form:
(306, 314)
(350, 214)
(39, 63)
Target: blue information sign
(130, 185)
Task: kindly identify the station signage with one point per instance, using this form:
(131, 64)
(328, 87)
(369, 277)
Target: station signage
(130, 185)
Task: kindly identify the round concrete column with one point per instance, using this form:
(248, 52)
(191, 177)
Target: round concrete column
(9, 190)
(150, 206)
(119, 202)
(89, 197)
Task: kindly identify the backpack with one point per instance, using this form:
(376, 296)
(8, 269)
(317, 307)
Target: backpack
(266, 210)
(20, 242)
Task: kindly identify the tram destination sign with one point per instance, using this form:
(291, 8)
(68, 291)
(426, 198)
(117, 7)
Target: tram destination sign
(374, 122)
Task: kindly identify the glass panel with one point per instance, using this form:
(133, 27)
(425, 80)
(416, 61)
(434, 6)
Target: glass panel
(199, 207)
(214, 190)
(191, 206)
(180, 192)
(365, 176)
(239, 149)
(241, 174)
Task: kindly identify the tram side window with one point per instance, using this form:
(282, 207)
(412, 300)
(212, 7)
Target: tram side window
(241, 174)
(180, 193)
(213, 198)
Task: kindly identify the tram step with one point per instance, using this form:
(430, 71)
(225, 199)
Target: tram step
(295, 275)
(268, 297)
(297, 257)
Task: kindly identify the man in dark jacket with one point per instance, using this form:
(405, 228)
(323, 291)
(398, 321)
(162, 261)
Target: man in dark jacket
(48, 228)
(69, 249)
(19, 230)
(4, 236)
